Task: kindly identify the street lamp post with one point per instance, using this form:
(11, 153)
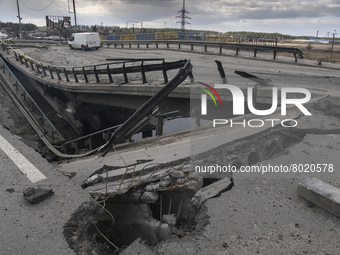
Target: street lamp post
(332, 44)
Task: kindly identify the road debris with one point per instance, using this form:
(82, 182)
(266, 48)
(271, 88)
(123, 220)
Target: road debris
(320, 194)
(10, 190)
(37, 195)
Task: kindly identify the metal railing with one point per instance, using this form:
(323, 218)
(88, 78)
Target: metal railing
(12, 79)
(99, 71)
(238, 47)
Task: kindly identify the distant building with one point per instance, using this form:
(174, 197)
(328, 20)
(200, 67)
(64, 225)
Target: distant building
(312, 40)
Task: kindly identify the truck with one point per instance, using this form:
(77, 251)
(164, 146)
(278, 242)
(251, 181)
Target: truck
(84, 41)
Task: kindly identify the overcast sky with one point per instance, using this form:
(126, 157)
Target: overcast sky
(294, 17)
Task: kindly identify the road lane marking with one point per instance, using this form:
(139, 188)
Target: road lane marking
(26, 167)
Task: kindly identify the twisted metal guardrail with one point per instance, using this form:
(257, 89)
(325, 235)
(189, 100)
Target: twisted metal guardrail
(12, 79)
(71, 74)
(138, 120)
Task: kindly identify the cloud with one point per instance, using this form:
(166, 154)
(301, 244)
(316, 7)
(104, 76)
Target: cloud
(219, 15)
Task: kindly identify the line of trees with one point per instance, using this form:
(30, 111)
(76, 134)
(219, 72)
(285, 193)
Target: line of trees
(11, 27)
(107, 30)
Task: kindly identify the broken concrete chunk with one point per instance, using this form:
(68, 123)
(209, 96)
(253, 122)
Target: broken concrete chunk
(320, 194)
(164, 183)
(177, 175)
(188, 169)
(149, 197)
(195, 185)
(169, 219)
(91, 180)
(213, 190)
(152, 187)
(37, 195)
(138, 247)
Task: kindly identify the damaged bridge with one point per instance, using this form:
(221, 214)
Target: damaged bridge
(162, 194)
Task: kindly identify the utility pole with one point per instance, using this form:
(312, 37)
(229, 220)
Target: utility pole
(183, 16)
(333, 44)
(74, 11)
(20, 31)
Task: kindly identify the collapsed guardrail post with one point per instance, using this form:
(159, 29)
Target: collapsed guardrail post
(221, 71)
(159, 125)
(109, 73)
(259, 81)
(165, 75)
(49, 69)
(143, 73)
(37, 66)
(66, 76)
(58, 74)
(85, 76)
(43, 68)
(75, 75)
(126, 80)
(96, 74)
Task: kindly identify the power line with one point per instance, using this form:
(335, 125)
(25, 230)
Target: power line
(37, 10)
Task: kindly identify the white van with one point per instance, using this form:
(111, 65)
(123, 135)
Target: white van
(84, 41)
